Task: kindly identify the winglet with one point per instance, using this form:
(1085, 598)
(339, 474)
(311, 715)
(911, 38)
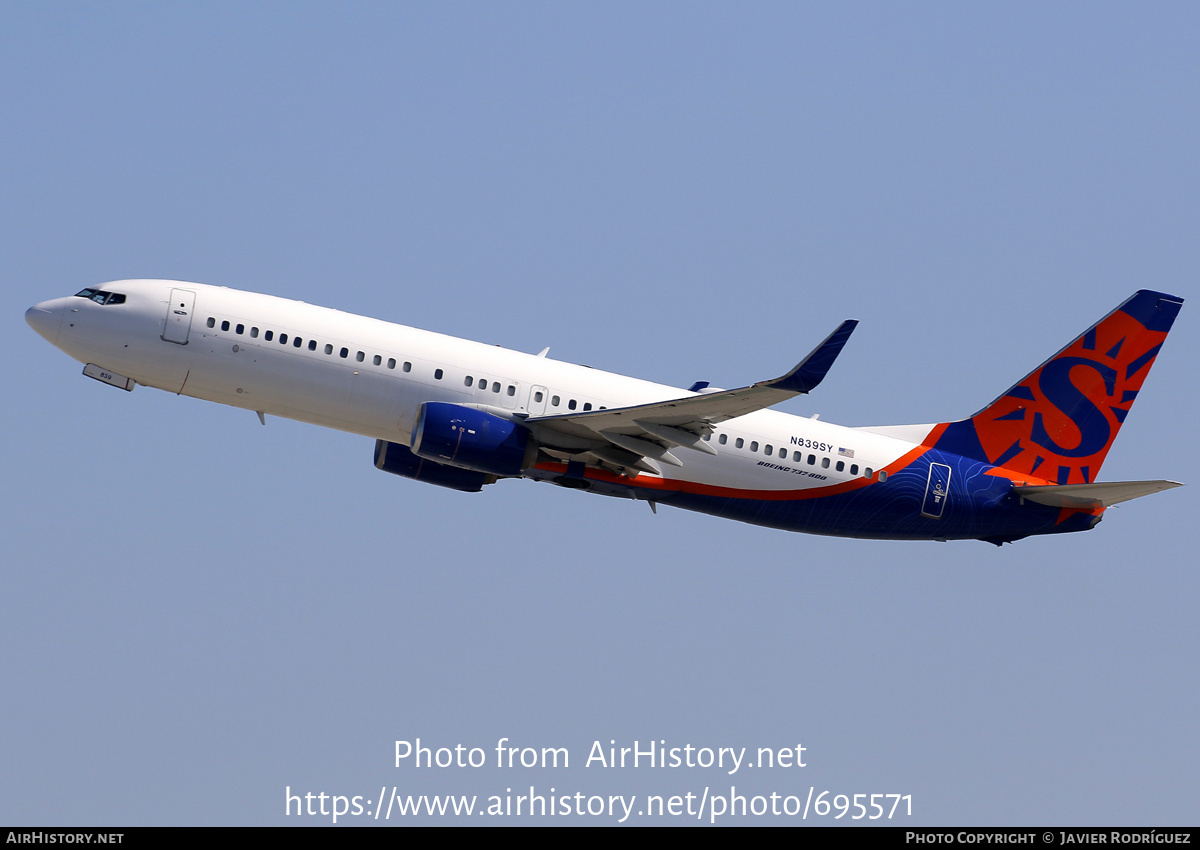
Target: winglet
(810, 371)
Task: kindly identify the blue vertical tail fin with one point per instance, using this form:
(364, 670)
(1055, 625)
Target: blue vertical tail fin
(1059, 421)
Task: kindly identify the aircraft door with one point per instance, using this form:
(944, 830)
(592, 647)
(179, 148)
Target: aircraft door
(179, 316)
(937, 490)
(537, 401)
(509, 394)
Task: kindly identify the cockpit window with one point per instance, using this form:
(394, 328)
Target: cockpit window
(101, 297)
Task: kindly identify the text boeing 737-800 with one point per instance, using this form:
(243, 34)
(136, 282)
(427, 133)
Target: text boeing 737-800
(462, 414)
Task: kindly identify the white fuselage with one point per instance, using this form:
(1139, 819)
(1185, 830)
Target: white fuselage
(369, 377)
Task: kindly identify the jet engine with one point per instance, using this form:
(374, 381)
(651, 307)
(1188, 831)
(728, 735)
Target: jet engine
(473, 439)
(398, 460)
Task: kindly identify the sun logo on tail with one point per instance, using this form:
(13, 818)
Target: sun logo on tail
(1058, 423)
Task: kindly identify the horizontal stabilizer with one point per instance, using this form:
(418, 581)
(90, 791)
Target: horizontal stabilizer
(1092, 495)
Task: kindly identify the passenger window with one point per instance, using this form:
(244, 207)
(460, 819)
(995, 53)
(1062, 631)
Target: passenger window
(512, 390)
(240, 329)
(587, 405)
(437, 374)
(868, 472)
(225, 325)
(212, 323)
(312, 345)
(391, 362)
(360, 357)
(883, 475)
(328, 348)
(571, 404)
(538, 396)
(854, 469)
(770, 450)
(407, 366)
(283, 339)
(841, 465)
(254, 333)
(783, 452)
(554, 400)
(495, 386)
(723, 439)
(740, 442)
(297, 342)
(377, 360)
(754, 445)
(269, 335)
(812, 460)
(467, 381)
(796, 456)
(344, 353)
(824, 463)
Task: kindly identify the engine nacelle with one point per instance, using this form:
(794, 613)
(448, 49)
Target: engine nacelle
(472, 439)
(398, 460)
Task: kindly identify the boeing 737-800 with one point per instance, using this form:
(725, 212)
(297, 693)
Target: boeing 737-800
(463, 414)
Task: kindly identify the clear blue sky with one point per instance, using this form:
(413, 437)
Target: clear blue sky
(201, 612)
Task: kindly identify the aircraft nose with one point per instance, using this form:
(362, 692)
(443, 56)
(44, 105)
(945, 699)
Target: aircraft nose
(46, 320)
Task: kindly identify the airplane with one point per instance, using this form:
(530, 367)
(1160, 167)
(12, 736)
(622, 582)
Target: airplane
(462, 415)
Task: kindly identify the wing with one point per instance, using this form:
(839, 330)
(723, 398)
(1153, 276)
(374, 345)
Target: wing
(639, 437)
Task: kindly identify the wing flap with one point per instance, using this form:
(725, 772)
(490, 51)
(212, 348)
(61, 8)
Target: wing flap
(644, 448)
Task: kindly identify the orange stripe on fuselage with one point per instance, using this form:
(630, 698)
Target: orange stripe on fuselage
(693, 487)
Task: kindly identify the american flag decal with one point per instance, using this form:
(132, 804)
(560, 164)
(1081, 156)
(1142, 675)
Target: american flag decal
(845, 452)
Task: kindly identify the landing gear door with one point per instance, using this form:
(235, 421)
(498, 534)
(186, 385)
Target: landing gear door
(179, 316)
(937, 490)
